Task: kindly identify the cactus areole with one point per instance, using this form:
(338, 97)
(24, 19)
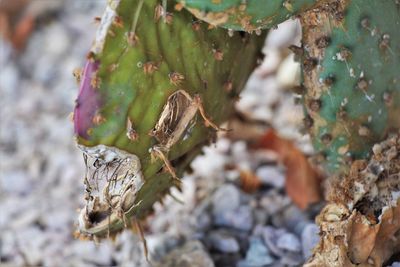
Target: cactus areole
(156, 84)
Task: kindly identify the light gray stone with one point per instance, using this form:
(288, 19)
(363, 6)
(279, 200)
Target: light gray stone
(271, 175)
(226, 198)
(192, 254)
(309, 239)
(240, 218)
(289, 242)
(257, 255)
(223, 242)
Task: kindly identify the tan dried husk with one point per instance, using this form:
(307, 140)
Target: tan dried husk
(361, 225)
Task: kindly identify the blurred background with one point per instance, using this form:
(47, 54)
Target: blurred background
(236, 211)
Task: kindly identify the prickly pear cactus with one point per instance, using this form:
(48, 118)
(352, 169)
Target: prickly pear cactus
(251, 15)
(351, 67)
(350, 61)
(155, 86)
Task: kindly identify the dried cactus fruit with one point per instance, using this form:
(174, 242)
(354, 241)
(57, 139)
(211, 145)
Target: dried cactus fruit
(361, 226)
(351, 73)
(152, 94)
(249, 15)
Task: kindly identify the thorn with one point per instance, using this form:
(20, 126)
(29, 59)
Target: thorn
(139, 229)
(203, 114)
(77, 72)
(176, 198)
(176, 78)
(156, 151)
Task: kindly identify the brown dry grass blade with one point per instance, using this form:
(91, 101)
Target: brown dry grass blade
(303, 183)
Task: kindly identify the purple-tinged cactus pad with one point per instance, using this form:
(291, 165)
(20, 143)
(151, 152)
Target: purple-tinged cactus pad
(84, 113)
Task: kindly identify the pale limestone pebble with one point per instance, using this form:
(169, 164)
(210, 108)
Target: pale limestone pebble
(53, 251)
(232, 175)
(292, 259)
(11, 207)
(240, 156)
(129, 251)
(173, 217)
(289, 73)
(23, 218)
(226, 198)
(6, 208)
(223, 145)
(271, 175)
(9, 77)
(257, 255)
(30, 241)
(260, 216)
(273, 202)
(211, 164)
(192, 254)
(294, 219)
(58, 219)
(160, 244)
(262, 113)
(271, 61)
(288, 119)
(223, 242)
(257, 100)
(56, 39)
(240, 218)
(90, 253)
(289, 242)
(202, 221)
(38, 8)
(8, 242)
(282, 244)
(309, 239)
(15, 182)
(287, 33)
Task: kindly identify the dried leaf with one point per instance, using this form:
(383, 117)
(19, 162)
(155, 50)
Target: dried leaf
(361, 227)
(249, 182)
(303, 183)
(23, 31)
(352, 240)
(16, 26)
(363, 232)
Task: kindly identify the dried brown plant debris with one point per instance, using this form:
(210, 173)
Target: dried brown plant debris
(361, 226)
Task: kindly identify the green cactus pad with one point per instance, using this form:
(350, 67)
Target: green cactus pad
(250, 15)
(351, 67)
(154, 84)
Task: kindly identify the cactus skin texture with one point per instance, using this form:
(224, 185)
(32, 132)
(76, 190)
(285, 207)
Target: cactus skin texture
(153, 87)
(351, 68)
(248, 15)
(350, 61)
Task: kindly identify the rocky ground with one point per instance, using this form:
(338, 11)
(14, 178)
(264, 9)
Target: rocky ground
(218, 225)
